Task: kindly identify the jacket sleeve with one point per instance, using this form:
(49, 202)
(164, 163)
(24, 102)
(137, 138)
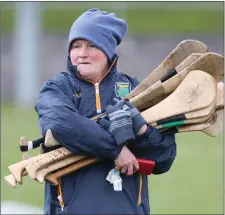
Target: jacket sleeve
(156, 146)
(77, 133)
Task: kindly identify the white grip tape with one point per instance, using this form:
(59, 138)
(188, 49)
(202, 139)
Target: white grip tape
(30, 145)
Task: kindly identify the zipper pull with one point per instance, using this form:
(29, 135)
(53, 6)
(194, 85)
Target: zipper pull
(97, 96)
(61, 202)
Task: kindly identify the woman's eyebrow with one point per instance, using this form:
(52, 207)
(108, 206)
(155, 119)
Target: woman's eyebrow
(76, 43)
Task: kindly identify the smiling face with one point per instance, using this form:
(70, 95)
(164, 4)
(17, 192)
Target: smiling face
(91, 62)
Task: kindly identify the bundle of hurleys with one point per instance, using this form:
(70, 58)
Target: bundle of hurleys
(188, 81)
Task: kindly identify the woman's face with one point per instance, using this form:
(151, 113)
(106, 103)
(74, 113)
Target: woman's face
(91, 62)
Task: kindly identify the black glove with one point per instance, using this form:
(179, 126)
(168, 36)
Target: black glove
(119, 123)
(137, 120)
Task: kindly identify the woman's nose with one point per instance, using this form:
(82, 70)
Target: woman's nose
(83, 52)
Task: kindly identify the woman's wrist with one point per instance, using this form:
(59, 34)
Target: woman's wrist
(142, 130)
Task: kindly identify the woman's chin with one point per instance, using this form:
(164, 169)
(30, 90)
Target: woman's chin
(86, 74)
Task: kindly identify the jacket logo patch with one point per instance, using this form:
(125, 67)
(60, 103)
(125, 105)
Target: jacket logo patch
(122, 89)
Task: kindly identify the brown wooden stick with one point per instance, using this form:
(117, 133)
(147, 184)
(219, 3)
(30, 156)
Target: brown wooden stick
(156, 90)
(197, 91)
(24, 142)
(191, 127)
(10, 179)
(196, 120)
(46, 159)
(215, 128)
(52, 178)
(17, 169)
(49, 140)
(220, 96)
(182, 51)
(198, 114)
(217, 104)
(40, 174)
(210, 62)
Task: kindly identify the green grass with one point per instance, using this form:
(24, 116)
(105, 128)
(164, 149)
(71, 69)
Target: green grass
(148, 21)
(194, 185)
(14, 124)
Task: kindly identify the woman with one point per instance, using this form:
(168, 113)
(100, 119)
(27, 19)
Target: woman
(93, 85)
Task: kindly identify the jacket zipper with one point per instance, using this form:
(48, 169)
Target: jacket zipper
(97, 96)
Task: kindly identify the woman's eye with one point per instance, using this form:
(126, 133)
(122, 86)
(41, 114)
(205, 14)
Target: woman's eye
(76, 46)
(92, 46)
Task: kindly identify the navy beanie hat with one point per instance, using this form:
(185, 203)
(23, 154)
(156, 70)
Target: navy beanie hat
(102, 29)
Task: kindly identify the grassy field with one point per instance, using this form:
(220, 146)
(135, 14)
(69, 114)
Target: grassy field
(194, 185)
(148, 20)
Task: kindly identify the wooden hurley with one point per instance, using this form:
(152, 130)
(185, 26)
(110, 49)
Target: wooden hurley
(46, 159)
(197, 91)
(40, 174)
(215, 128)
(191, 127)
(220, 96)
(146, 97)
(23, 144)
(209, 62)
(53, 177)
(196, 120)
(17, 169)
(182, 51)
(50, 140)
(10, 179)
(217, 104)
(204, 112)
(26, 145)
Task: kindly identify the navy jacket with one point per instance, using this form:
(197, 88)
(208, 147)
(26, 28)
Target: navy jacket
(65, 105)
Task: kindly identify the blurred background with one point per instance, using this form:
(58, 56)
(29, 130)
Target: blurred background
(34, 48)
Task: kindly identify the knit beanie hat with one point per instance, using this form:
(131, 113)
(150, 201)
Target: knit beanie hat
(102, 29)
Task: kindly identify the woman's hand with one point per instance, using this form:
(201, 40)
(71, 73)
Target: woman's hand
(119, 123)
(126, 162)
